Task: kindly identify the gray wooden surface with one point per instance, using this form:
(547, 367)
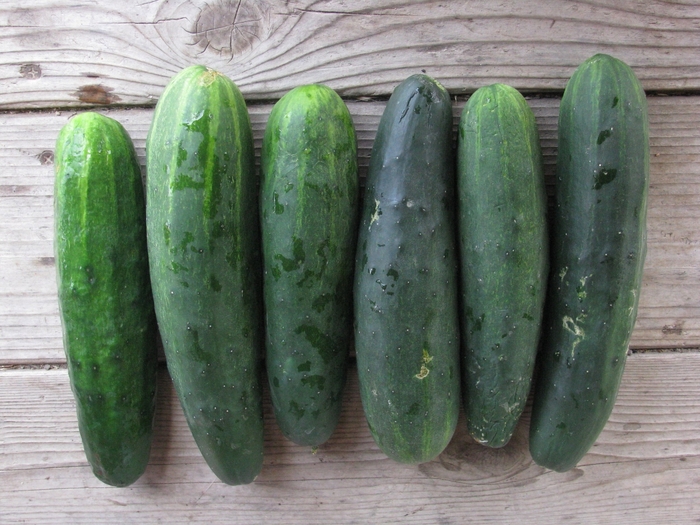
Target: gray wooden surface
(58, 53)
(57, 58)
(644, 469)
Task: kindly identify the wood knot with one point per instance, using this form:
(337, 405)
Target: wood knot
(228, 28)
(219, 29)
(45, 157)
(30, 71)
(465, 459)
(96, 94)
(673, 329)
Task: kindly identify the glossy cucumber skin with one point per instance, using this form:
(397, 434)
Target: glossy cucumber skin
(309, 205)
(407, 334)
(504, 258)
(203, 244)
(104, 292)
(598, 250)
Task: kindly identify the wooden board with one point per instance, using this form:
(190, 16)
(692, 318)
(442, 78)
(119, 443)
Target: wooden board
(30, 330)
(55, 54)
(118, 54)
(644, 469)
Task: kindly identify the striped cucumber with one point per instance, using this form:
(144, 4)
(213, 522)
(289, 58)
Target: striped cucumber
(104, 292)
(407, 334)
(204, 249)
(598, 249)
(309, 200)
(504, 256)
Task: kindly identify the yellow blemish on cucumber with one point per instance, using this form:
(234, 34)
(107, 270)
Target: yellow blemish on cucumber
(209, 76)
(424, 370)
(580, 290)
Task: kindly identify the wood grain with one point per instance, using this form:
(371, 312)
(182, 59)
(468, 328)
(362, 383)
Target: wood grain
(56, 54)
(30, 332)
(644, 469)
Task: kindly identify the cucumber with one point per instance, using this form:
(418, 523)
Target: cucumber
(504, 258)
(598, 248)
(406, 302)
(204, 250)
(104, 293)
(309, 204)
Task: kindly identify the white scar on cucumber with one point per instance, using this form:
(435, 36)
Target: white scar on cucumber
(376, 214)
(575, 329)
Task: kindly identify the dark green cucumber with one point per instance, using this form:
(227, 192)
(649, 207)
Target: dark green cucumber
(504, 257)
(203, 244)
(598, 249)
(406, 301)
(104, 292)
(309, 200)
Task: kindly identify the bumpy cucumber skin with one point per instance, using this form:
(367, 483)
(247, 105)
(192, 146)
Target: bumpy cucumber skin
(104, 292)
(309, 205)
(406, 301)
(598, 250)
(504, 258)
(203, 244)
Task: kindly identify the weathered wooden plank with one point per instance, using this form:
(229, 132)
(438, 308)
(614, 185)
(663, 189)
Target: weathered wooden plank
(644, 469)
(668, 315)
(55, 54)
